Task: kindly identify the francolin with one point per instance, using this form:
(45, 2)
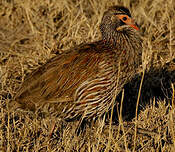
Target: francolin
(82, 82)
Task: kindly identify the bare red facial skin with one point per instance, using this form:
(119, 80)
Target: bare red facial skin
(126, 19)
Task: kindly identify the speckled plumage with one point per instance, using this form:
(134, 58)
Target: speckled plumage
(82, 82)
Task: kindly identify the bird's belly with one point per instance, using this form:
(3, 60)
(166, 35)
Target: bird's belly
(93, 97)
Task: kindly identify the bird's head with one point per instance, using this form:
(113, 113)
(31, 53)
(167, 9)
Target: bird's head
(117, 20)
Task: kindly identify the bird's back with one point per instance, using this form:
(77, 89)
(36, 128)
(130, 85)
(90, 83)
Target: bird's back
(67, 79)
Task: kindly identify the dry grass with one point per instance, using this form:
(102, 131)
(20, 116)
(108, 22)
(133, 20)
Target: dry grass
(32, 31)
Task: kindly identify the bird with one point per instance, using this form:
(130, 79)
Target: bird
(81, 82)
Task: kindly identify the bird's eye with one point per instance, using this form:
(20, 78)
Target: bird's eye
(124, 18)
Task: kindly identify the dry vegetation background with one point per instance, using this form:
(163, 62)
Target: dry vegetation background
(32, 31)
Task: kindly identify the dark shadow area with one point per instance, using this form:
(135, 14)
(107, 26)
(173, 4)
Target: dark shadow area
(157, 84)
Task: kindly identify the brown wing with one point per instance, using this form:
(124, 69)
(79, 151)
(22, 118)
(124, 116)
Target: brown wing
(58, 79)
